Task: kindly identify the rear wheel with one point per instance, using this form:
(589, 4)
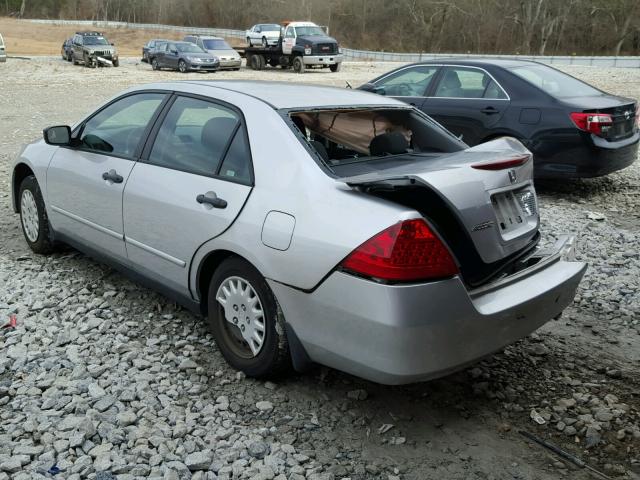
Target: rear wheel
(249, 41)
(298, 65)
(264, 42)
(33, 217)
(246, 321)
(182, 66)
(257, 62)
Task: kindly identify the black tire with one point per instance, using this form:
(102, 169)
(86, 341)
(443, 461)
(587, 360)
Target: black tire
(273, 358)
(298, 65)
(154, 64)
(256, 62)
(265, 43)
(273, 63)
(182, 66)
(116, 63)
(249, 41)
(73, 59)
(42, 243)
(335, 67)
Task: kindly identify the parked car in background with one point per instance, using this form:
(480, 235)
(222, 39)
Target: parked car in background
(158, 47)
(229, 58)
(3, 52)
(66, 51)
(572, 128)
(150, 45)
(264, 34)
(92, 49)
(183, 56)
(414, 255)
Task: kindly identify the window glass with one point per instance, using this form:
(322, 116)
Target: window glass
(311, 31)
(214, 44)
(89, 40)
(410, 82)
(270, 28)
(461, 82)
(555, 82)
(118, 128)
(237, 162)
(194, 136)
(289, 33)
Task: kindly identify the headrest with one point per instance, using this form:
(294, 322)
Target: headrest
(388, 144)
(217, 132)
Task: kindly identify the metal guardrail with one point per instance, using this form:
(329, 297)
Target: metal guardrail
(366, 55)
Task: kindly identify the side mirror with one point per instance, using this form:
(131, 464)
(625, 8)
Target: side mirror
(59, 135)
(112, 44)
(373, 88)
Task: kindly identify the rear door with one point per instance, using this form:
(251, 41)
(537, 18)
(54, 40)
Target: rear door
(193, 181)
(409, 84)
(467, 101)
(85, 183)
(170, 56)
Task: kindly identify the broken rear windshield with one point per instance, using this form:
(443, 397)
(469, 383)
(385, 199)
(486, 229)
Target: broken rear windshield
(358, 136)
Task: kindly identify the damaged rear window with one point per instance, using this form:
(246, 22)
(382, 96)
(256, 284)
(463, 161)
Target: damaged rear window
(371, 135)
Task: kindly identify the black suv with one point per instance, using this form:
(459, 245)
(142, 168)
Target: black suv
(92, 49)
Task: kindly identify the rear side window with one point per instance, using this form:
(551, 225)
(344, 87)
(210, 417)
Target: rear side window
(202, 138)
(554, 82)
(410, 82)
(461, 82)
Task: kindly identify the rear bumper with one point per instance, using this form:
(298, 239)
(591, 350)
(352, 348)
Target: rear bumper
(395, 334)
(587, 156)
(322, 59)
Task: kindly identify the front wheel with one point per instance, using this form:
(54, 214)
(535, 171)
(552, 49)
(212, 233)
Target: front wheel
(298, 65)
(33, 217)
(182, 66)
(246, 321)
(265, 44)
(154, 64)
(335, 67)
(116, 63)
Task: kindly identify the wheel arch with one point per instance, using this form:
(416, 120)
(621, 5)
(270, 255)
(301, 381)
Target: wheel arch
(20, 172)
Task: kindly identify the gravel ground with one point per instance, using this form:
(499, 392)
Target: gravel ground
(105, 379)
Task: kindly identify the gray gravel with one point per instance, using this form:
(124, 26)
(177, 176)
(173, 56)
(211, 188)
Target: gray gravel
(105, 379)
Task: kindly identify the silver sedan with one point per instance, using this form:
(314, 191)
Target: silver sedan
(307, 224)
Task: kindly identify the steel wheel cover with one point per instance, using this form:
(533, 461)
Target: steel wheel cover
(29, 215)
(244, 315)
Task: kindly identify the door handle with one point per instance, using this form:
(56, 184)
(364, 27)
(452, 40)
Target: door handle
(490, 111)
(210, 198)
(113, 176)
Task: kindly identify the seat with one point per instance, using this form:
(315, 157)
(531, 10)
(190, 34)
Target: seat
(450, 86)
(392, 143)
(321, 149)
(216, 134)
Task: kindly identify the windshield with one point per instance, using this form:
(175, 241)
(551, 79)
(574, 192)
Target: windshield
(216, 45)
(270, 28)
(189, 48)
(346, 137)
(95, 41)
(310, 32)
(554, 82)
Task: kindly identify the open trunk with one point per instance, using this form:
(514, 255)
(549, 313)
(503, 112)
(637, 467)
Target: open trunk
(481, 201)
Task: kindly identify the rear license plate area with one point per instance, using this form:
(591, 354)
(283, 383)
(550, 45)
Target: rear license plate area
(509, 213)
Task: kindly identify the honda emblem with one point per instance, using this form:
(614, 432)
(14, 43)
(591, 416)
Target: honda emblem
(512, 176)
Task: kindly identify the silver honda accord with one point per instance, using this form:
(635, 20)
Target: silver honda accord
(307, 224)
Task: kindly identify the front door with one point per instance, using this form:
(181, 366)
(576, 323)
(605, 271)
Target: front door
(85, 183)
(467, 102)
(289, 40)
(190, 186)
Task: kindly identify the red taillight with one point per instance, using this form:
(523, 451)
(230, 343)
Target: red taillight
(596, 123)
(502, 164)
(406, 251)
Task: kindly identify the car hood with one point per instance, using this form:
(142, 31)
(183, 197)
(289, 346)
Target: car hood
(225, 53)
(315, 39)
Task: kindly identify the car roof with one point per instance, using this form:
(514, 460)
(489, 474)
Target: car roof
(287, 95)
(480, 62)
(206, 37)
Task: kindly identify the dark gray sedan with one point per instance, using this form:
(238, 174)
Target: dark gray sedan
(185, 57)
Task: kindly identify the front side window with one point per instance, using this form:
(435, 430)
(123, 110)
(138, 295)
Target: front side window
(290, 33)
(200, 137)
(461, 82)
(118, 128)
(410, 82)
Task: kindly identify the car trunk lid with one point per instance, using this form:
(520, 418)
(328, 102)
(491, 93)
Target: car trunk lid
(622, 112)
(481, 200)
